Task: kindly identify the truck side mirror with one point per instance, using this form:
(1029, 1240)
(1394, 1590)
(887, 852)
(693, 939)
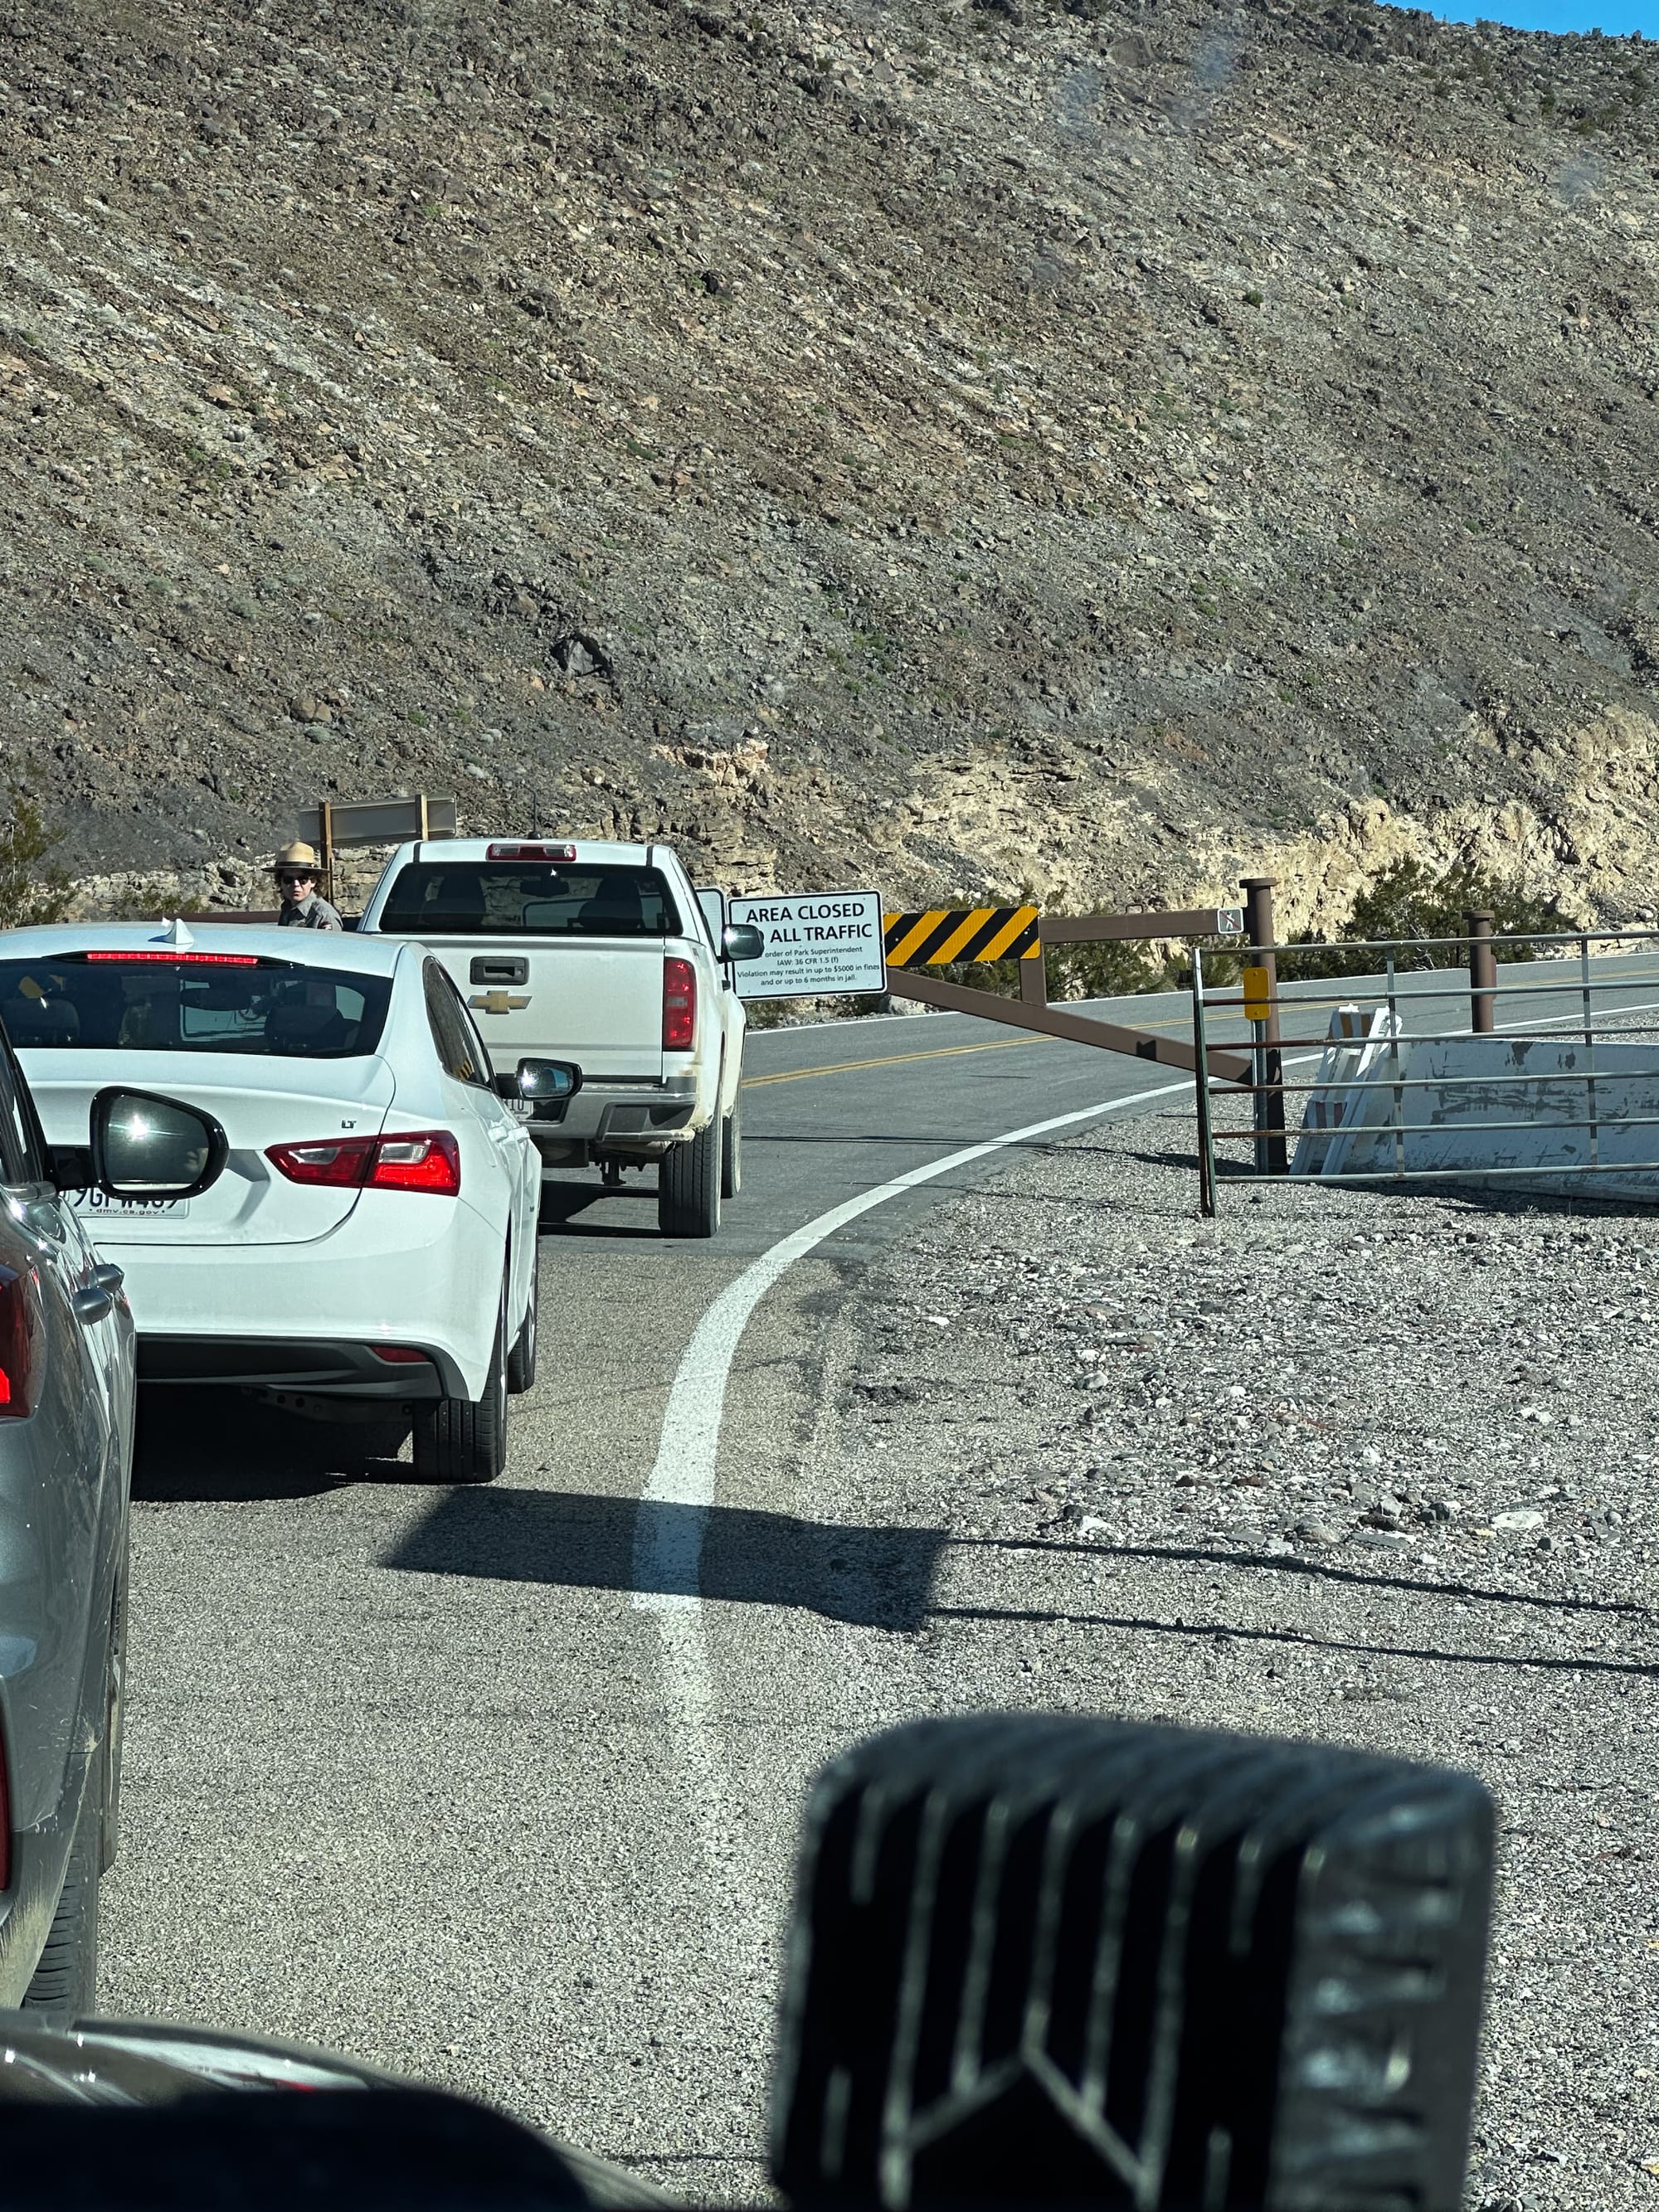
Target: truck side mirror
(739, 941)
(546, 1081)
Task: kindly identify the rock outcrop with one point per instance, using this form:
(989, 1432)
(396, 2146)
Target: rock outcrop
(954, 445)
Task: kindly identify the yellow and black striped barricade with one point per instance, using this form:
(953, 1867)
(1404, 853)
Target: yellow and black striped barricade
(946, 933)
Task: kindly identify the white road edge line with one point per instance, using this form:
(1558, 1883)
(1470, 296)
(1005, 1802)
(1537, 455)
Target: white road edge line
(710, 1811)
(668, 1543)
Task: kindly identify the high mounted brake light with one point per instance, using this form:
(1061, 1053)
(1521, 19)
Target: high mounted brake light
(419, 1159)
(530, 853)
(182, 959)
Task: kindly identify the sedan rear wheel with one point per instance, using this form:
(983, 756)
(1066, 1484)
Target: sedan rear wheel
(465, 1440)
(109, 1826)
(64, 1980)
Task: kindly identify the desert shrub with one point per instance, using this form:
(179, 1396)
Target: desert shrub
(1412, 904)
(32, 888)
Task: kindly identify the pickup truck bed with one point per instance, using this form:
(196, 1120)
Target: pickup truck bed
(599, 953)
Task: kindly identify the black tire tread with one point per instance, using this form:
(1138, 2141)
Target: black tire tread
(689, 1185)
(64, 1982)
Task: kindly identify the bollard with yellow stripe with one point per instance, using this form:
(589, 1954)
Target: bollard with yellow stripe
(946, 933)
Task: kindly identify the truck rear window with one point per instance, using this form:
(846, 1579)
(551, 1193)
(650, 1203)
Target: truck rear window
(513, 898)
(283, 1013)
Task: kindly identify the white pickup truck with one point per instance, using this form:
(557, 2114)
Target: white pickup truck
(609, 951)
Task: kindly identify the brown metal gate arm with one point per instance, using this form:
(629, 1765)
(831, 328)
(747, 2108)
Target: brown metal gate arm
(1049, 1021)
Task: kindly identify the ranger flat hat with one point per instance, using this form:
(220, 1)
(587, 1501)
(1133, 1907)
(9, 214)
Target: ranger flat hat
(296, 856)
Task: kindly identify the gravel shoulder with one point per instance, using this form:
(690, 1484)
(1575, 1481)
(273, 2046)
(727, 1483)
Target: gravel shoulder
(1340, 1464)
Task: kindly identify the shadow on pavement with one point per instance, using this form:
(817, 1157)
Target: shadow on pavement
(868, 1577)
(197, 1446)
(561, 1202)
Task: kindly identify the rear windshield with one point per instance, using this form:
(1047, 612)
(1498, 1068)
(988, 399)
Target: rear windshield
(516, 899)
(280, 1011)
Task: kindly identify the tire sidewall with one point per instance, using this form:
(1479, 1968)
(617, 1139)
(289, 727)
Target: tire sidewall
(731, 1151)
(521, 1363)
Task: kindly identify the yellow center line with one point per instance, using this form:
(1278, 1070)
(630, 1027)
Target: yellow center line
(892, 1059)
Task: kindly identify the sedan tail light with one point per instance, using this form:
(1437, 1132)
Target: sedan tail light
(415, 1159)
(430, 1161)
(22, 1344)
(679, 1005)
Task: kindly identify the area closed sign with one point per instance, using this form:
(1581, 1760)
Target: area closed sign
(816, 942)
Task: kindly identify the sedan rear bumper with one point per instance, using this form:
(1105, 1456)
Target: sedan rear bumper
(288, 1364)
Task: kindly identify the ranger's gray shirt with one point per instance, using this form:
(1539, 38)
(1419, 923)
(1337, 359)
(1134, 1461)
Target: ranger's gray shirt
(310, 912)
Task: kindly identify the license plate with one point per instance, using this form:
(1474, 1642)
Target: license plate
(106, 1209)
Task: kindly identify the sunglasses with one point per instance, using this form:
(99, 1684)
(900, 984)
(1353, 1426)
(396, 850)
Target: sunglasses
(305, 876)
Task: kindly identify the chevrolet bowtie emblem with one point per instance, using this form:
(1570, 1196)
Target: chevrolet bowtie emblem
(497, 1002)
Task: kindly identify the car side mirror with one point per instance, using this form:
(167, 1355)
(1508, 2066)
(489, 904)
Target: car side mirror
(546, 1081)
(740, 941)
(144, 1145)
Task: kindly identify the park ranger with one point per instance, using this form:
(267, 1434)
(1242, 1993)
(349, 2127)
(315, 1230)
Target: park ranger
(303, 906)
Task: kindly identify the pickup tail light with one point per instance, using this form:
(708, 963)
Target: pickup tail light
(521, 851)
(414, 1159)
(679, 1005)
(22, 1344)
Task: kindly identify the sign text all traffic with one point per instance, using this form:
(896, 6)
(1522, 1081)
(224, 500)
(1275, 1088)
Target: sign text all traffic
(816, 942)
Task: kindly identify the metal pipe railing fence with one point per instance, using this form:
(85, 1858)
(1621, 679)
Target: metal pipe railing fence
(1527, 1086)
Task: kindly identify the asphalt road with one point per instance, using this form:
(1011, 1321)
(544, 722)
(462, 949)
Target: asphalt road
(407, 1774)
(425, 1776)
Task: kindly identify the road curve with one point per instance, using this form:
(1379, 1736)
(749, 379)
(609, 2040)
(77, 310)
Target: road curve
(488, 1786)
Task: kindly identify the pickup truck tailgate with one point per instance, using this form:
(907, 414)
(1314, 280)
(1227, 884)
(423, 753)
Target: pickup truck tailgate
(597, 1003)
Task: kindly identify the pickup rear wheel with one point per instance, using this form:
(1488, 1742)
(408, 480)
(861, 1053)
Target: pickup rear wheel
(689, 1185)
(465, 1440)
(731, 1151)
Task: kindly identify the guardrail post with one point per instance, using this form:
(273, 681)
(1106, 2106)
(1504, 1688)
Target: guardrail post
(1206, 1127)
(1271, 1154)
(1034, 977)
(1483, 974)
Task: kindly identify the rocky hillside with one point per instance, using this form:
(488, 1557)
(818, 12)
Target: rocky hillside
(950, 445)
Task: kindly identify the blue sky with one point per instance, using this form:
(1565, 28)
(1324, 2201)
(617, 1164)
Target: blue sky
(1618, 18)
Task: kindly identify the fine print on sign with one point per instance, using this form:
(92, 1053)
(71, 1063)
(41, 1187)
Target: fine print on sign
(816, 942)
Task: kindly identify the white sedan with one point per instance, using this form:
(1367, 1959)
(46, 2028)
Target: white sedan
(370, 1249)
